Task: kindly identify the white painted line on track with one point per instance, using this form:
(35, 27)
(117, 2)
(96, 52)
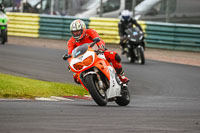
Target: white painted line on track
(61, 98)
(3, 99)
(52, 98)
(45, 99)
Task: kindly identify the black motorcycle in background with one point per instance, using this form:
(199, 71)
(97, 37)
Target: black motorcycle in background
(134, 45)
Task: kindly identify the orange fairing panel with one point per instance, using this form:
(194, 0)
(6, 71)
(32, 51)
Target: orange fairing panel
(101, 65)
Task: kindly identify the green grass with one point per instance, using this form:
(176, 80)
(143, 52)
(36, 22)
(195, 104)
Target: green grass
(19, 87)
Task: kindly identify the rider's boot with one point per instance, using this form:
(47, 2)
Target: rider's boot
(123, 78)
(121, 75)
(123, 51)
(122, 47)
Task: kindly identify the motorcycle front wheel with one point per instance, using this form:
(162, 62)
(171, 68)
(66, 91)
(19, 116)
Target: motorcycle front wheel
(130, 56)
(3, 36)
(98, 94)
(140, 55)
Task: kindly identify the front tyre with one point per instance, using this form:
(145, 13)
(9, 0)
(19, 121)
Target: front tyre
(3, 36)
(140, 51)
(125, 98)
(130, 56)
(98, 94)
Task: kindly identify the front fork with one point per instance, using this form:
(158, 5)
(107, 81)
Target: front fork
(3, 27)
(96, 72)
(100, 82)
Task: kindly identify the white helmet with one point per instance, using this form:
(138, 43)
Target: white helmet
(78, 29)
(126, 15)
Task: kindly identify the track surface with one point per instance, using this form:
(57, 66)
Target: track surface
(165, 98)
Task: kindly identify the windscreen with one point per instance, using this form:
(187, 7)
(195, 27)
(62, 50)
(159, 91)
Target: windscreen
(80, 50)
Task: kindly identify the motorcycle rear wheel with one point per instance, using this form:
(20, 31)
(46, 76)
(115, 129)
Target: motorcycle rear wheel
(125, 99)
(98, 94)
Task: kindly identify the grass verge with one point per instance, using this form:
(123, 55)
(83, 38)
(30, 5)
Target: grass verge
(19, 87)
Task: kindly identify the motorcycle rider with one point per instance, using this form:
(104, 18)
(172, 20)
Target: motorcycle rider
(81, 35)
(2, 9)
(126, 21)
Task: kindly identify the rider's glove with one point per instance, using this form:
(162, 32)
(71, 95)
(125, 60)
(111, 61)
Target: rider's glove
(101, 46)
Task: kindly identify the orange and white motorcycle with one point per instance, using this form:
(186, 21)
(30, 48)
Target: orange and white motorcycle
(97, 76)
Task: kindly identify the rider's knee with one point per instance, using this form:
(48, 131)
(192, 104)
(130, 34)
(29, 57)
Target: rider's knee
(117, 57)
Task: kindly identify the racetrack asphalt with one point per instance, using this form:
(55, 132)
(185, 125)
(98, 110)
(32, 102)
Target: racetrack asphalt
(165, 96)
(180, 57)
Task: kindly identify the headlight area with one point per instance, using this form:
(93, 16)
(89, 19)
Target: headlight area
(86, 62)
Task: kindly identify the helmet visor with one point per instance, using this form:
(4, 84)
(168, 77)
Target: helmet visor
(77, 33)
(126, 17)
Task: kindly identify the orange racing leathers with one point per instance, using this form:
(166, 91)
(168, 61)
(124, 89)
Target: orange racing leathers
(111, 56)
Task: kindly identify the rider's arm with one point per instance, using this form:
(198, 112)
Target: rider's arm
(71, 46)
(4, 11)
(121, 31)
(92, 33)
(136, 24)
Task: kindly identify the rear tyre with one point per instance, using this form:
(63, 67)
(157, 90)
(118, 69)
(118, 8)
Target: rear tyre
(125, 99)
(98, 94)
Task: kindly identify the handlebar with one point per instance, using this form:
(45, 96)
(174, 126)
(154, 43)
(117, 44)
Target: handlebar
(95, 40)
(66, 56)
(92, 44)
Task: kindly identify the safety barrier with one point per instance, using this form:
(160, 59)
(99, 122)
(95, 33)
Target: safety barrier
(23, 24)
(44, 26)
(106, 28)
(158, 35)
(173, 36)
(56, 27)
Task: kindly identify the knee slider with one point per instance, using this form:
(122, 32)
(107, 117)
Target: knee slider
(117, 58)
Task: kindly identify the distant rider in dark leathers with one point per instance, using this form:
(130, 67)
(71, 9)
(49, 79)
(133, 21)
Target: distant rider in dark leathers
(2, 9)
(125, 22)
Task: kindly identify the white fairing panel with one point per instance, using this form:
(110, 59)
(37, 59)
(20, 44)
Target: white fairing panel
(102, 56)
(115, 88)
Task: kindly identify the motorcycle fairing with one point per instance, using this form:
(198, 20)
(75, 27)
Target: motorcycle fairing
(102, 64)
(3, 19)
(134, 35)
(80, 59)
(115, 88)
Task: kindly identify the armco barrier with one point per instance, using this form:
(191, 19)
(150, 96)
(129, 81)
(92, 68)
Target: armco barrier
(44, 26)
(106, 28)
(173, 36)
(56, 27)
(158, 35)
(23, 24)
